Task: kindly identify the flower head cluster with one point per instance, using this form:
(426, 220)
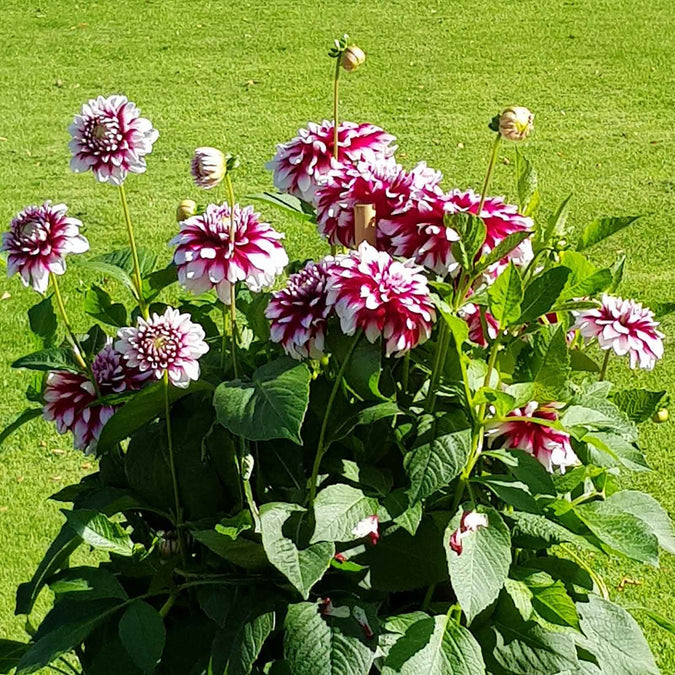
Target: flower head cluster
(550, 446)
(383, 297)
(470, 522)
(303, 163)
(170, 343)
(207, 258)
(626, 327)
(37, 242)
(208, 167)
(298, 313)
(110, 137)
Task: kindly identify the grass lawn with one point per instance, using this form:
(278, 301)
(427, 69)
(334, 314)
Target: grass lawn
(246, 74)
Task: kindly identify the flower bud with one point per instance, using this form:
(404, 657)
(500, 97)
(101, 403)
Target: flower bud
(208, 167)
(660, 416)
(186, 209)
(515, 124)
(352, 57)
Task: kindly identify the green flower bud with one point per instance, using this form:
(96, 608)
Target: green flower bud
(186, 209)
(660, 416)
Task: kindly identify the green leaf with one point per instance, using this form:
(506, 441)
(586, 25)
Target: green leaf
(143, 635)
(549, 598)
(337, 511)
(526, 469)
(538, 532)
(555, 225)
(26, 416)
(233, 527)
(510, 490)
(314, 645)
(11, 653)
(86, 583)
(585, 280)
(362, 373)
(242, 552)
(580, 361)
(272, 405)
(505, 296)
(542, 294)
(123, 260)
(288, 203)
(472, 231)
(601, 228)
(552, 365)
(615, 639)
(97, 303)
(660, 620)
(99, 532)
(528, 192)
(52, 358)
(638, 404)
(364, 417)
(157, 281)
(397, 505)
(42, 320)
(618, 269)
(303, 568)
(435, 646)
(479, 572)
(502, 249)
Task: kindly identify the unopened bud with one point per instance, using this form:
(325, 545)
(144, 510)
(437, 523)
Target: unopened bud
(186, 209)
(208, 167)
(352, 57)
(515, 124)
(660, 416)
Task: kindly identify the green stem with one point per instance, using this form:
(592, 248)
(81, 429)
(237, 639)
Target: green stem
(405, 375)
(246, 481)
(605, 363)
(321, 446)
(488, 174)
(428, 597)
(441, 349)
(336, 90)
(599, 581)
(138, 280)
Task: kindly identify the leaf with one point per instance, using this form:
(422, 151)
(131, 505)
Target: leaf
(552, 366)
(435, 646)
(580, 361)
(11, 653)
(502, 249)
(549, 598)
(26, 416)
(528, 192)
(314, 645)
(337, 511)
(618, 269)
(42, 320)
(660, 620)
(538, 532)
(143, 635)
(303, 568)
(601, 228)
(364, 417)
(86, 583)
(398, 507)
(272, 405)
(525, 468)
(638, 404)
(233, 527)
(555, 225)
(362, 373)
(52, 358)
(97, 303)
(471, 230)
(288, 203)
(99, 532)
(505, 296)
(542, 294)
(157, 281)
(242, 552)
(123, 260)
(585, 279)
(479, 572)
(615, 639)
(510, 490)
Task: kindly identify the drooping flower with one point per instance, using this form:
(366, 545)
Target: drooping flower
(206, 258)
(383, 297)
(170, 343)
(110, 137)
(368, 527)
(298, 313)
(515, 123)
(471, 314)
(550, 446)
(303, 163)
(626, 327)
(37, 242)
(352, 58)
(470, 522)
(208, 167)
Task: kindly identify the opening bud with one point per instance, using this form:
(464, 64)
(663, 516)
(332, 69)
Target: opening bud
(516, 123)
(208, 167)
(352, 58)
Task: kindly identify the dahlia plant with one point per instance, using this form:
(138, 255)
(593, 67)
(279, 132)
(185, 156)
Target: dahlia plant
(402, 457)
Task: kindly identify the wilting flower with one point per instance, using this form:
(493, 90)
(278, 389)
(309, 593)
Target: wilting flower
(206, 258)
(38, 239)
(550, 446)
(298, 313)
(186, 209)
(368, 527)
(626, 327)
(111, 138)
(208, 167)
(170, 343)
(470, 522)
(383, 297)
(515, 123)
(472, 315)
(303, 163)
(352, 58)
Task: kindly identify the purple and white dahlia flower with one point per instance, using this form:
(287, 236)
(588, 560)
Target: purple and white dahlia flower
(303, 163)
(37, 242)
(170, 343)
(110, 137)
(206, 258)
(298, 313)
(626, 327)
(208, 167)
(383, 297)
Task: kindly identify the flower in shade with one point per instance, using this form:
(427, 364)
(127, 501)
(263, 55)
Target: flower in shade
(368, 527)
(110, 137)
(550, 446)
(383, 297)
(170, 343)
(515, 123)
(472, 315)
(208, 167)
(37, 241)
(298, 313)
(626, 327)
(302, 164)
(327, 608)
(206, 257)
(470, 522)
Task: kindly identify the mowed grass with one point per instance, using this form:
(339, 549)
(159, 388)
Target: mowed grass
(245, 75)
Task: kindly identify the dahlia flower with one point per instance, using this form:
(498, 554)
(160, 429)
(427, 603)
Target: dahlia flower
(206, 258)
(38, 239)
(111, 138)
(515, 123)
(383, 297)
(471, 315)
(170, 343)
(550, 446)
(368, 527)
(298, 313)
(208, 167)
(470, 522)
(302, 164)
(626, 327)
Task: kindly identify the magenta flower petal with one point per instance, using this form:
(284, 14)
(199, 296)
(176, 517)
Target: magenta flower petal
(471, 315)
(470, 522)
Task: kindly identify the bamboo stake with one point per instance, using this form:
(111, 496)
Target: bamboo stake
(364, 224)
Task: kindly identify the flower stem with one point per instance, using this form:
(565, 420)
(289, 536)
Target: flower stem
(138, 281)
(488, 174)
(605, 363)
(439, 360)
(336, 99)
(321, 446)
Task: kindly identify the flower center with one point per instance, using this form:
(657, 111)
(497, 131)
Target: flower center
(103, 134)
(33, 230)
